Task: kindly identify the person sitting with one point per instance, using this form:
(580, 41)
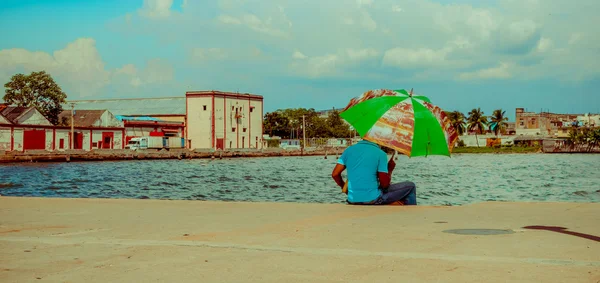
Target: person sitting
(369, 177)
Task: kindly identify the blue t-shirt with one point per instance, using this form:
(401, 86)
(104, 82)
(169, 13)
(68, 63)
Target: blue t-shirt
(363, 160)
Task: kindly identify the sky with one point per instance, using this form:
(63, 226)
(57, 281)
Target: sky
(463, 54)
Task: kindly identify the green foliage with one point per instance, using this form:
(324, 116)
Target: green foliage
(477, 121)
(37, 89)
(287, 123)
(498, 121)
(457, 119)
(584, 138)
(273, 143)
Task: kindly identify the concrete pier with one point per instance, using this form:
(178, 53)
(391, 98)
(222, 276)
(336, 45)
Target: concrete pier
(107, 240)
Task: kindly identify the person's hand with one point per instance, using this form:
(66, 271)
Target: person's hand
(391, 165)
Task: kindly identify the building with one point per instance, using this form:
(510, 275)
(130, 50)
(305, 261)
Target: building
(543, 123)
(170, 109)
(224, 120)
(588, 120)
(164, 116)
(325, 113)
(24, 128)
(93, 129)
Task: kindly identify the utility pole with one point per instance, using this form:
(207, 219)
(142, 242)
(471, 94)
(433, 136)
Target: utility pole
(303, 132)
(72, 125)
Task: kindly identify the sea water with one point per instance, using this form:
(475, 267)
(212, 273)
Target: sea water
(461, 179)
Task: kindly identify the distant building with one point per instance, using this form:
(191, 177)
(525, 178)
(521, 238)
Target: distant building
(164, 108)
(224, 120)
(325, 113)
(543, 123)
(94, 129)
(25, 128)
(588, 120)
(164, 116)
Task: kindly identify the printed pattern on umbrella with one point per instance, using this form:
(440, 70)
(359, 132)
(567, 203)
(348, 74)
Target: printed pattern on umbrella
(395, 128)
(369, 95)
(449, 131)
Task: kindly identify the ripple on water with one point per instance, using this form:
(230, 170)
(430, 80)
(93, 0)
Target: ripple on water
(10, 185)
(440, 181)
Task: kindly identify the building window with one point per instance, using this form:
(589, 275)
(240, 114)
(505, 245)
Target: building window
(204, 107)
(233, 129)
(251, 109)
(244, 130)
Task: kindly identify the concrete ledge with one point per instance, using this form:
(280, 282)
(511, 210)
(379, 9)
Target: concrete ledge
(110, 240)
(114, 155)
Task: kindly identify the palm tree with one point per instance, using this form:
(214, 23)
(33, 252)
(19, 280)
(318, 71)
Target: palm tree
(457, 120)
(476, 122)
(498, 121)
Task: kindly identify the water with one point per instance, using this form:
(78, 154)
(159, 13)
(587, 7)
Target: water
(461, 179)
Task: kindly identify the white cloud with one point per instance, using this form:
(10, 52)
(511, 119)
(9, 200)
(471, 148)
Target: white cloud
(157, 8)
(361, 3)
(405, 58)
(254, 23)
(540, 38)
(544, 45)
(361, 54)
(79, 69)
(299, 55)
(368, 22)
(500, 72)
(229, 20)
(203, 54)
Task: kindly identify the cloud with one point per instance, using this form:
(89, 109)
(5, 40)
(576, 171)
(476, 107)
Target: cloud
(203, 54)
(361, 3)
(518, 37)
(79, 69)
(405, 58)
(253, 22)
(157, 8)
(500, 72)
(535, 39)
(299, 55)
(333, 64)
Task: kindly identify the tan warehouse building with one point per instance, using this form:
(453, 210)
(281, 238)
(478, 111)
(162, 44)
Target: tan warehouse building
(224, 120)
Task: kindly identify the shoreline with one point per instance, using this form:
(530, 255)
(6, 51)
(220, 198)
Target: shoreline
(180, 154)
(126, 155)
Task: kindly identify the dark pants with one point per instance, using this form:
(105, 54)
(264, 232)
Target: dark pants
(405, 192)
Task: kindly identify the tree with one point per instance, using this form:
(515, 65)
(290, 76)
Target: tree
(498, 121)
(476, 122)
(276, 124)
(37, 89)
(337, 127)
(457, 119)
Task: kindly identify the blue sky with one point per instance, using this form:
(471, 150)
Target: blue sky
(537, 54)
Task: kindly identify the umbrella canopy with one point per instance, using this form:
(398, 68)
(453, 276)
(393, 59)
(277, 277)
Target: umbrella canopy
(396, 119)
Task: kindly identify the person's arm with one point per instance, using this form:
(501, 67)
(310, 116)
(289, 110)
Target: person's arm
(337, 174)
(384, 171)
(338, 169)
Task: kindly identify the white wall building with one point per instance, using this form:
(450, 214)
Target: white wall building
(224, 120)
(589, 120)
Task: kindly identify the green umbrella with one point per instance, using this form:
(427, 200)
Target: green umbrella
(396, 119)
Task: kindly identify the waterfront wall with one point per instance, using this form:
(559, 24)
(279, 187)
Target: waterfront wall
(124, 154)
